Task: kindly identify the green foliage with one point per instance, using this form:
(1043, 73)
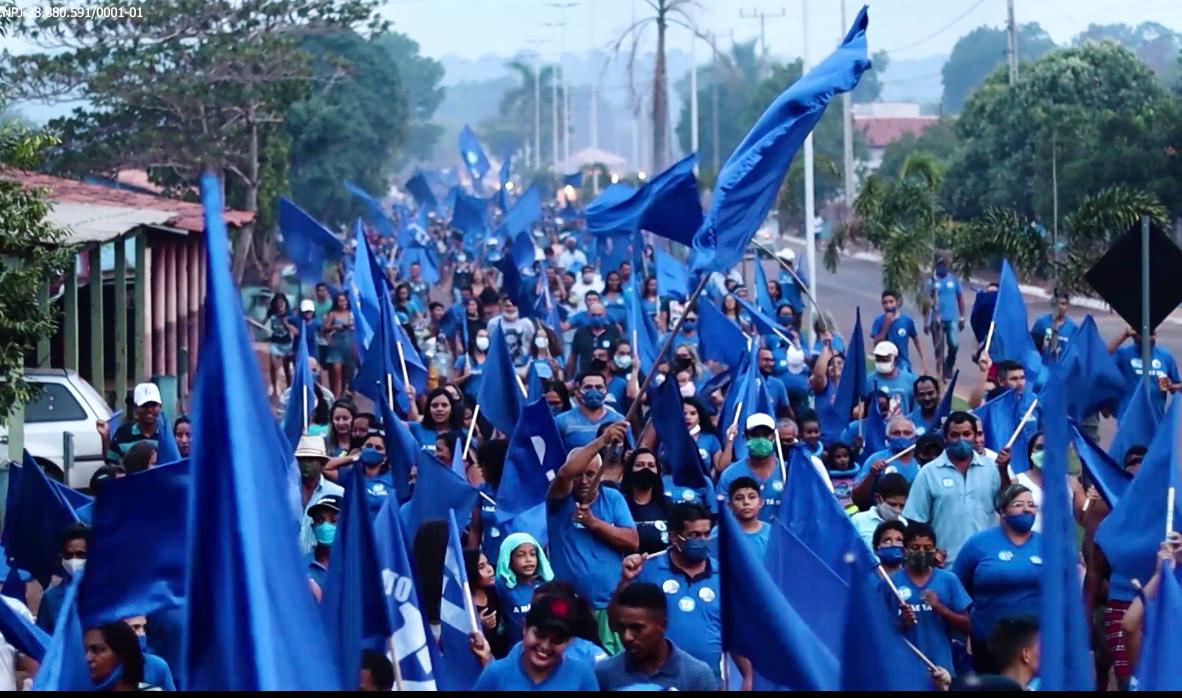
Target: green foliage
(869, 87)
(420, 77)
(1155, 44)
(939, 141)
(515, 125)
(978, 53)
(1000, 233)
(1100, 219)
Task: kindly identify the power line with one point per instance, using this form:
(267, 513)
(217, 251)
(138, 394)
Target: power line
(939, 31)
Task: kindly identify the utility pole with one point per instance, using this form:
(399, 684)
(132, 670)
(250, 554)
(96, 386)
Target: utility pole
(694, 95)
(594, 97)
(847, 136)
(537, 139)
(762, 17)
(1012, 43)
(810, 203)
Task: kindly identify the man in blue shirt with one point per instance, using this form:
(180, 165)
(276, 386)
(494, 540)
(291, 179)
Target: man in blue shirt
(936, 599)
(775, 389)
(892, 379)
(579, 424)
(927, 401)
(897, 328)
(944, 294)
(1163, 369)
(590, 528)
(761, 464)
(537, 663)
(650, 660)
(1052, 332)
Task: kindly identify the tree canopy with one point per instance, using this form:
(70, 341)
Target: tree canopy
(976, 54)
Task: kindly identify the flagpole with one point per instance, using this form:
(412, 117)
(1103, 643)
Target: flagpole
(1022, 423)
(402, 360)
(1170, 493)
(397, 669)
(803, 287)
(471, 429)
(390, 393)
(304, 414)
(988, 340)
(780, 453)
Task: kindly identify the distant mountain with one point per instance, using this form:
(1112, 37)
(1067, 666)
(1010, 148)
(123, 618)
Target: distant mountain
(914, 80)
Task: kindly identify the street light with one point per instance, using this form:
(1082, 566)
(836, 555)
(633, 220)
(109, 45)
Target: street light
(562, 8)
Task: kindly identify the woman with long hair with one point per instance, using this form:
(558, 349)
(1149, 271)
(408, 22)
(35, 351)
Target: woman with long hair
(280, 341)
(442, 415)
(338, 328)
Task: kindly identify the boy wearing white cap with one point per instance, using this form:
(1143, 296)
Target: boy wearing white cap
(889, 377)
(146, 401)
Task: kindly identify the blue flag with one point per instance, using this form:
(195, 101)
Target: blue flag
(1161, 649)
(982, 313)
(499, 398)
(764, 324)
(945, 407)
(63, 667)
(874, 656)
(534, 456)
(642, 333)
(811, 512)
(308, 243)
(503, 194)
(611, 195)
(21, 633)
(402, 449)
(1137, 424)
(835, 412)
(166, 451)
(470, 217)
(747, 185)
(1066, 662)
(368, 279)
(1110, 479)
(1133, 531)
(302, 402)
(1000, 418)
(118, 585)
(680, 451)
(424, 258)
(353, 585)
(763, 296)
(402, 604)
(873, 429)
(437, 489)
(574, 179)
(378, 377)
(14, 584)
(521, 217)
(421, 191)
(405, 351)
(534, 389)
(375, 215)
(668, 205)
(473, 155)
(460, 668)
(818, 593)
(1095, 378)
(36, 518)
(246, 587)
(672, 276)
(758, 622)
(719, 338)
(1011, 331)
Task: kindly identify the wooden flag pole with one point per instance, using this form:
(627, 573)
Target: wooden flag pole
(1021, 423)
(780, 453)
(900, 454)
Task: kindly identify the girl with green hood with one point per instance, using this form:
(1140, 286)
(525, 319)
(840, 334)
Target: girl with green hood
(522, 566)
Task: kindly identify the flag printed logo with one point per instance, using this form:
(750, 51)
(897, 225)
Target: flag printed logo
(410, 640)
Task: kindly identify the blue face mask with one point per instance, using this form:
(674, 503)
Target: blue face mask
(695, 551)
(890, 554)
(941, 270)
(785, 320)
(598, 320)
(959, 450)
(898, 444)
(1022, 523)
(325, 533)
(143, 640)
(689, 326)
(371, 457)
(594, 397)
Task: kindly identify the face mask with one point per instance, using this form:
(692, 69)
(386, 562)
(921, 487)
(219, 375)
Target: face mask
(461, 258)
(919, 561)
(688, 389)
(795, 359)
(542, 343)
(598, 365)
(689, 326)
(598, 321)
(371, 457)
(325, 533)
(587, 280)
(695, 551)
(959, 450)
(659, 379)
(623, 362)
(74, 566)
(482, 343)
(594, 397)
(941, 270)
(900, 443)
(760, 446)
(143, 640)
(884, 366)
(1022, 523)
(645, 479)
(890, 554)
(510, 315)
(888, 512)
(1036, 458)
(785, 320)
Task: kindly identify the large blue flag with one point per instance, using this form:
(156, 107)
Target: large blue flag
(308, 243)
(1132, 533)
(246, 587)
(1095, 379)
(874, 656)
(680, 451)
(668, 205)
(982, 313)
(353, 585)
(1161, 649)
(811, 512)
(470, 217)
(437, 489)
(642, 333)
(611, 196)
(534, 456)
(118, 585)
(21, 633)
(64, 667)
(945, 407)
(719, 338)
(764, 324)
(1011, 331)
(460, 668)
(818, 593)
(1137, 424)
(1066, 663)
(534, 389)
(402, 449)
(402, 603)
(672, 276)
(368, 279)
(473, 155)
(499, 398)
(758, 622)
(835, 411)
(1000, 418)
(37, 516)
(763, 296)
(521, 217)
(1110, 479)
(302, 401)
(378, 377)
(421, 191)
(747, 185)
(374, 213)
(874, 437)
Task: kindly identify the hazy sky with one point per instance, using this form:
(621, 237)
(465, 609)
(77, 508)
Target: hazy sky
(907, 28)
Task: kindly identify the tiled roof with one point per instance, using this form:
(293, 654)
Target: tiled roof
(882, 131)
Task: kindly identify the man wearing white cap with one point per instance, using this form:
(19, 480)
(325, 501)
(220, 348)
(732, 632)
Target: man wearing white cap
(897, 383)
(762, 464)
(146, 401)
(790, 290)
(311, 455)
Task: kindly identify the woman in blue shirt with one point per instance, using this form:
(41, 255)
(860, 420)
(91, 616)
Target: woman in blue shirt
(469, 366)
(613, 298)
(650, 303)
(999, 567)
(442, 415)
(709, 447)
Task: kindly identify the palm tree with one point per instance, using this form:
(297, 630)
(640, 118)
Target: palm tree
(664, 13)
(517, 104)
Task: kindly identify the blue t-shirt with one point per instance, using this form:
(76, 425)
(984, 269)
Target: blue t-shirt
(424, 435)
(578, 556)
(908, 470)
(542, 368)
(508, 675)
(1002, 578)
(946, 290)
(922, 425)
(693, 607)
(778, 394)
(616, 397)
(471, 386)
(901, 331)
(577, 430)
(771, 489)
(1161, 363)
(758, 540)
(702, 495)
(900, 388)
(492, 533)
(1044, 330)
(158, 673)
(932, 635)
(838, 345)
(708, 445)
(515, 603)
(797, 387)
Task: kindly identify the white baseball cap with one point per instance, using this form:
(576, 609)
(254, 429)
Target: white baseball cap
(787, 254)
(307, 306)
(759, 419)
(146, 393)
(886, 349)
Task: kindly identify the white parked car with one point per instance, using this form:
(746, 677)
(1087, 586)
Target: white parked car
(67, 404)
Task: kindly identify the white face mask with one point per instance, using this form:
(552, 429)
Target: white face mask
(884, 366)
(74, 566)
(542, 342)
(795, 358)
(510, 315)
(482, 343)
(688, 389)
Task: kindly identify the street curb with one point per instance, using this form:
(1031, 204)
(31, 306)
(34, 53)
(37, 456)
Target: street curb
(1026, 289)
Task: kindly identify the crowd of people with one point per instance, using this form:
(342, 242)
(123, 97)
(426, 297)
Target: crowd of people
(623, 592)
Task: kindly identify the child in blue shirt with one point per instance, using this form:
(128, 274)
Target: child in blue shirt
(937, 602)
(522, 566)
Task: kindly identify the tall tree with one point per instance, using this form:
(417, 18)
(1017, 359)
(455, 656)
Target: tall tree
(186, 85)
(518, 104)
(421, 77)
(869, 87)
(1154, 43)
(977, 53)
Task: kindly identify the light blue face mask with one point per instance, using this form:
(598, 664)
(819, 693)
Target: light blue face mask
(325, 533)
